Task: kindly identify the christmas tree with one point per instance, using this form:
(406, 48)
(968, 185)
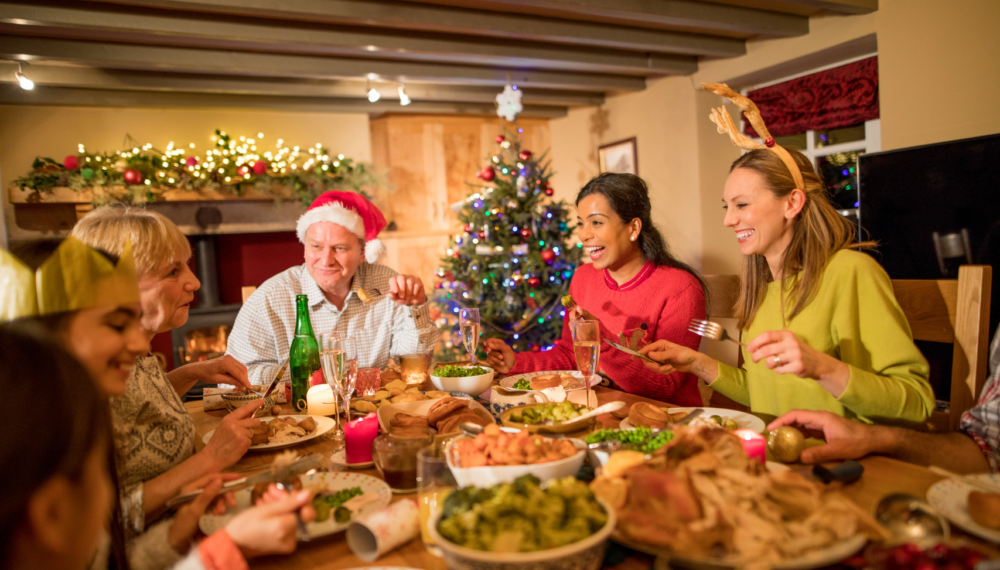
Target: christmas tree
(513, 261)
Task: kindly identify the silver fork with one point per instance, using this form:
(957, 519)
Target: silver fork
(286, 486)
(711, 330)
(368, 295)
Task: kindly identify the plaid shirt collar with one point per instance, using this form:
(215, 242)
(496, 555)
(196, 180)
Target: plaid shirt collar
(315, 295)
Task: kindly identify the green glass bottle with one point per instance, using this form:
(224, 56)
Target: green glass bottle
(304, 357)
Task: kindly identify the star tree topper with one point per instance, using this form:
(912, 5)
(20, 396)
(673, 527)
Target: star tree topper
(509, 103)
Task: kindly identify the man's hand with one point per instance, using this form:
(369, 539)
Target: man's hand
(499, 356)
(407, 290)
(232, 438)
(845, 439)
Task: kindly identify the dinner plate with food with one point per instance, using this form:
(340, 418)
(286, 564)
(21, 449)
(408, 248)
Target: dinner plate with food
(552, 417)
(973, 509)
(283, 431)
(569, 380)
(708, 504)
(501, 455)
(443, 414)
(644, 414)
(340, 497)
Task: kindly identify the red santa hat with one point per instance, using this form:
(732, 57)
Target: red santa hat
(352, 211)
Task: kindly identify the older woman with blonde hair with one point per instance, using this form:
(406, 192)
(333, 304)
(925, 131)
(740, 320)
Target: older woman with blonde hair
(154, 434)
(823, 328)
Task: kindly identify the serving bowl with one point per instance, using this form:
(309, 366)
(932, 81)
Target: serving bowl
(565, 427)
(233, 401)
(489, 475)
(586, 554)
(471, 385)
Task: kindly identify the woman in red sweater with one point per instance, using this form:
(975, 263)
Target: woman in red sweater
(635, 289)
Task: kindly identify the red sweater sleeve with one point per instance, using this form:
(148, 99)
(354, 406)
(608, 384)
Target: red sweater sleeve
(630, 373)
(219, 552)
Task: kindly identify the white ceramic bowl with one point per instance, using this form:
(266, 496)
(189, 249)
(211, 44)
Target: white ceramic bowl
(491, 475)
(587, 554)
(471, 385)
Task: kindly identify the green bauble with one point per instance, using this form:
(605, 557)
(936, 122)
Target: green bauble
(87, 173)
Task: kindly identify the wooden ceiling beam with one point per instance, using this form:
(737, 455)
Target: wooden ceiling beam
(448, 20)
(130, 80)
(705, 17)
(64, 96)
(122, 24)
(176, 59)
(850, 7)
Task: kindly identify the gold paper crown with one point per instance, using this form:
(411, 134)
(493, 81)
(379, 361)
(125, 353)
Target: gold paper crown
(724, 123)
(75, 277)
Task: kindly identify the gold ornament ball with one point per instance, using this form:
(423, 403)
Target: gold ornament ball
(786, 444)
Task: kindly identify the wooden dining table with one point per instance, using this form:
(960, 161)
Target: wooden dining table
(882, 476)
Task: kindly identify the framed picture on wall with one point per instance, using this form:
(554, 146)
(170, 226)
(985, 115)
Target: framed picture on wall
(619, 157)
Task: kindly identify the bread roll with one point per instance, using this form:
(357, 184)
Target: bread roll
(444, 408)
(985, 509)
(647, 415)
(407, 420)
(547, 381)
(450, 424)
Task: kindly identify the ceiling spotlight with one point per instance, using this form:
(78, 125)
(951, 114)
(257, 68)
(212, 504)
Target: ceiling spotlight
(404, 99)
(25, 83)
(373, 94)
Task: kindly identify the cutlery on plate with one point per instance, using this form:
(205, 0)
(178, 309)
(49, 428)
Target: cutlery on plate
(711, 330)
(274, 474)
(277, 378)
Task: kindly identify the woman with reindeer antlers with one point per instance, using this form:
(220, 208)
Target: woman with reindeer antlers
(822, 326)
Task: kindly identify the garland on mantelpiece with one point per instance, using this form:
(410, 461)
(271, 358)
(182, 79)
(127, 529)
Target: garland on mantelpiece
(141, 174)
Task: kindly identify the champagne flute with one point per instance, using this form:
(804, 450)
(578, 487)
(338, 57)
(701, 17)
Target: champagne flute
(328, 363)
(344, 363)
(468, 321)
(587, 350)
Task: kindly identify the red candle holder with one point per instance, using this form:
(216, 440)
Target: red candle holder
(358, 437)
(754, 444)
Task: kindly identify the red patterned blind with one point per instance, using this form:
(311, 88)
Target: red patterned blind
(838, 97)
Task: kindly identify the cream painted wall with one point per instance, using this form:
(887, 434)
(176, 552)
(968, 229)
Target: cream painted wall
(938, 67)
(55, 131)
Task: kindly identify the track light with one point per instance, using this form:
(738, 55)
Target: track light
(404, 99)
(373, 94)
(23, 81)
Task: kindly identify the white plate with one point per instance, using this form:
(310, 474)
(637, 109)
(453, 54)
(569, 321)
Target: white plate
(951, 498)
(509, 381)
(745, 420)
(333, 482)
(389, 411)
(323, 425)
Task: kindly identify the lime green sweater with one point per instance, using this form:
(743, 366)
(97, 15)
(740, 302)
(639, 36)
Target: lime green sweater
(855, 318)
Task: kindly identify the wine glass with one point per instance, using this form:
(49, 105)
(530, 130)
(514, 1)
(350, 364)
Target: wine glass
(587, 349)
(468, 321)
(343, 358)
(328, 363)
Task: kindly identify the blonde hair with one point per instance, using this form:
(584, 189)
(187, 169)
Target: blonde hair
(818, 233)
(155, 239)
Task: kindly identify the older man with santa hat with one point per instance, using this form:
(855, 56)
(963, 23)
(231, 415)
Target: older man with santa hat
(340, 234)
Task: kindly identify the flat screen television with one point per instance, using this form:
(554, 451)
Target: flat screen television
(933, 208)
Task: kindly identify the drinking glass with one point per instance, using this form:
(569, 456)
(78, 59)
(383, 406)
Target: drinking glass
(339, 357)
(587, 350)
(328, 365)
(395, 457)
(468, 322)
(434, 481)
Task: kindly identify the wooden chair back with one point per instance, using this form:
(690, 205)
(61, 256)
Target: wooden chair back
(949, 311)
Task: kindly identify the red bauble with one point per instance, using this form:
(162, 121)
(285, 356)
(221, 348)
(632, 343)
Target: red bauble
(549, 191)
(534, 281)
(71, 162)
(191, 161)
(536, 348)
(548, 256)
(133, 176)
(468, 228)
(449, 275)
(525, 233)
(524, 155)
(456, 255)
(259, 167)
(244, 170)
(487, 173)
(500, 139)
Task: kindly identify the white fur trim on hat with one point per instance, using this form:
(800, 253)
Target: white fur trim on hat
(374, 250)
(335, 213)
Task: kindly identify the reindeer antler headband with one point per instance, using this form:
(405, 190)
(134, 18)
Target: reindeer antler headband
(725, 124)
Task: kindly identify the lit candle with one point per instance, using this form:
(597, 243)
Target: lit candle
(754, 444)
(358, 437)
(321, 401)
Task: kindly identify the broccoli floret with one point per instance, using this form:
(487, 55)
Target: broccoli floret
(522, 483)
(464, 499)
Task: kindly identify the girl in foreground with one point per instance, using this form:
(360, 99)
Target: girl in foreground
(635, 289)
(57, 484)
(822, 326)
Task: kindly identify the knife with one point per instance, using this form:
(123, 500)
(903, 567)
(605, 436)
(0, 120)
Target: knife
(277, 378)
(627, 350)
(274, 474)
